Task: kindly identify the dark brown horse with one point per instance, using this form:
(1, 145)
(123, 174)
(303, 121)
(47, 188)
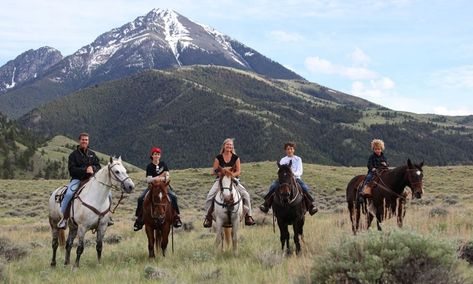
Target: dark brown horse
(157, 216)
(289, 208)
(388, 197)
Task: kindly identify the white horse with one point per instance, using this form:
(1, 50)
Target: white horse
(228, 211)
(90, 209)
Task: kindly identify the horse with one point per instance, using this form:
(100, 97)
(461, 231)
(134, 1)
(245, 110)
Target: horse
(289, 208)
(228, 211)
(89, 209)
(158, 215)
(388, 197)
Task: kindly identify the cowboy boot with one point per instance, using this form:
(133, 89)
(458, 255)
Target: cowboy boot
(62, 224)
(208, 217)
(177, 221)
(138, 223)
(249, 220)
(310, 202)
(268, 201)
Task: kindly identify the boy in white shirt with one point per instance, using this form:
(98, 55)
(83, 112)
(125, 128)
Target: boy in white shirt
(297, 170)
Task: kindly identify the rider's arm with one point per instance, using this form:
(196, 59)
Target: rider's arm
(297, 167)
(95, 163)
(236, 172)
(215, 167)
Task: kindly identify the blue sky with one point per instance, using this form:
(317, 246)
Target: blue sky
(407, 55)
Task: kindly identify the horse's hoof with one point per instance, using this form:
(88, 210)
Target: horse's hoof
(53, 264)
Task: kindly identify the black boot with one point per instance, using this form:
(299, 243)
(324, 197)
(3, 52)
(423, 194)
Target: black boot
(138, 223)
(310, 202)
(177, 221)
(268, 201)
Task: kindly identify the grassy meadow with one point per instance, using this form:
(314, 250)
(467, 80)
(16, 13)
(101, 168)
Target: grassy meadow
(444, 213)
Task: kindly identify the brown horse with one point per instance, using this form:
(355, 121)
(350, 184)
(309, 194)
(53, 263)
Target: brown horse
(388, 197)
(157, 216)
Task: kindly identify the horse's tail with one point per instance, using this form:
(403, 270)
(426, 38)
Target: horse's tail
(62, 238)
(227, 236)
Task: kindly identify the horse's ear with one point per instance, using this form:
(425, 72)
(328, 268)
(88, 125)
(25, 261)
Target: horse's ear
(111, 159)
(409, 163)
(120, 159)
(290, 163)
(421, 164)
(277, 163)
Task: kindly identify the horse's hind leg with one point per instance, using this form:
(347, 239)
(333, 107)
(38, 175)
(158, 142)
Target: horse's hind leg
(70, 240)
(55, 244)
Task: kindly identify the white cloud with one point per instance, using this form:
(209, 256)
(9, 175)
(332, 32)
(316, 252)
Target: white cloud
(323, 66)
(445, 111)
(284, 36)
(359, 58)
(374, 89)
(454, 78)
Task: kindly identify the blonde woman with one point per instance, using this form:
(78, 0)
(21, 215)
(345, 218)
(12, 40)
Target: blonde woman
(227, 159)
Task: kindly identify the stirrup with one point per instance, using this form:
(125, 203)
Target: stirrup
(249, 220)
(264, 208)
(177, 222)
(138, 225)
(208, 222)
(62, 224)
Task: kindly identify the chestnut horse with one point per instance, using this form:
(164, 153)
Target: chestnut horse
(388, 197)
(157, 216)
(228, 211)
(289, 208)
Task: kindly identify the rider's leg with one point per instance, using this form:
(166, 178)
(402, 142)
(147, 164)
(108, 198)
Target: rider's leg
(110, 220)
(308, 197)
(71, 189)
(268, 198)
(208, 204)
(177, 219)
(139, 211)
(367, 180)
(246, 201)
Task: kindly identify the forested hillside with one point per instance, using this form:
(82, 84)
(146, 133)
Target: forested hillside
(189, 111)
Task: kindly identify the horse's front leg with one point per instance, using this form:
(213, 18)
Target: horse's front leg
(80, 247)
(165, 237)
(150, 235)
(284, 236)
(219, 236)
(70, 240)
(298, 231)
(235, 225)
(99, 240)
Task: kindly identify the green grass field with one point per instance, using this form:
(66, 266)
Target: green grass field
(24, 226)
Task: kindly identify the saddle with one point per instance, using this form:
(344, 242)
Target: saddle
(61, 192)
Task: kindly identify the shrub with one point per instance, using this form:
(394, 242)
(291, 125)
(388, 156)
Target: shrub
(466, 252)
(388, 257)
(11, 252)
(437, 211)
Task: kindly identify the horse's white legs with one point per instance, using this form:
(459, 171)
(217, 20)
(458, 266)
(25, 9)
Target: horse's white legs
(219, 238)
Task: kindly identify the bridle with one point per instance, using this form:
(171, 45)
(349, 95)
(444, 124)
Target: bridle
(222, 188)
(113, 176)
(415, 185)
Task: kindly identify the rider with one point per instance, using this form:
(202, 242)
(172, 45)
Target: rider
(376, 161)
(297, 170)
(227, 159)
(156, 170)
(82, 164)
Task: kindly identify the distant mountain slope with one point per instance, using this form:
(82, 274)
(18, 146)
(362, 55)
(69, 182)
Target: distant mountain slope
(189, 111)
(27, 66)
(162, 39)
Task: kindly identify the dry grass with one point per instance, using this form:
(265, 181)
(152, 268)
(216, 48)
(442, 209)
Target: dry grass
(23, 222)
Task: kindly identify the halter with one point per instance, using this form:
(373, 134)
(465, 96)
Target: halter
(158, 204)
(409, 178)
(225, 205)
